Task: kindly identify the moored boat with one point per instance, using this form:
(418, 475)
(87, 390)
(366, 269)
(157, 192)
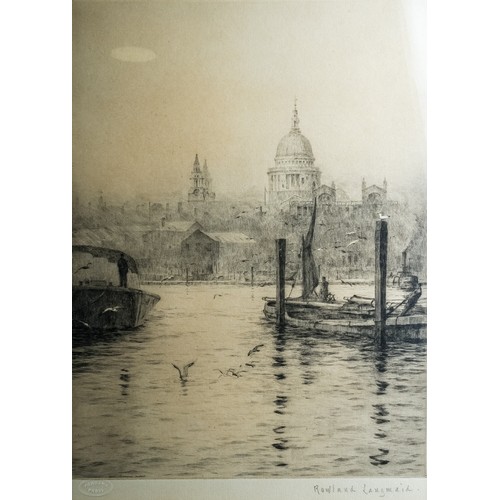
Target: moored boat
(319, 319)
(354, 316)
(99, 303)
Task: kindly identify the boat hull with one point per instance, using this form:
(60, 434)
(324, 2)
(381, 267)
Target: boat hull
(402, 328)
(110, 307)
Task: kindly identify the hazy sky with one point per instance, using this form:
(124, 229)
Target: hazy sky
(156, 82)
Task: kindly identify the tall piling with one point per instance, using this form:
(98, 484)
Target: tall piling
(381, 232)
(280, 281)
(251, 276)
(187, 275)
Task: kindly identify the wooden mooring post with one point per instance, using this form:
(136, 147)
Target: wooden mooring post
(251, 275)
(380, 278)
(280, 281)
(187, 275)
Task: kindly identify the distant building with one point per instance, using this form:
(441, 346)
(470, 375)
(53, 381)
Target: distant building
(374, 195)
(163, 244)
(294, 180)
(201, 183)
(205, 254)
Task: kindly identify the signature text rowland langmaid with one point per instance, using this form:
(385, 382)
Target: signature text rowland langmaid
(369, 490)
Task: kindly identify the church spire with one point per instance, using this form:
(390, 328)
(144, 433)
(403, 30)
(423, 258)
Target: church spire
(196, 164)
(295, 118)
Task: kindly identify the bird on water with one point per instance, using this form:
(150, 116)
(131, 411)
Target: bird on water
(183, 374)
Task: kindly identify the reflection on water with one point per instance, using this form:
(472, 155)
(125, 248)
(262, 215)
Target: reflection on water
(381, 413)
(257, 402)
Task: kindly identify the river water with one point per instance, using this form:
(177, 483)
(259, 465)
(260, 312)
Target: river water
(303, 405)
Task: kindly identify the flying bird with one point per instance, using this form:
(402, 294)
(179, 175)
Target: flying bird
(231, 372)
(183, 374)
(83, 267)
(351, 243)
(255, 349)
(217, 295)
(86, 325)
(351, 233)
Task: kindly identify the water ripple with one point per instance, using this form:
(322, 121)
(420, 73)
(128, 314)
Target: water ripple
(304, 405)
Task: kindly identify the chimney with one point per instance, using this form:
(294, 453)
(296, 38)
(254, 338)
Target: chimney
(404, 261)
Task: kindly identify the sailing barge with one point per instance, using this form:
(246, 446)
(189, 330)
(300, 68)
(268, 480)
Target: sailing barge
(329, 318)
(354, 317)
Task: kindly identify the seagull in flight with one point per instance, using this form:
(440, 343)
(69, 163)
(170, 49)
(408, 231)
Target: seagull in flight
(217, 295)
(255, 349)
(83, 267)
(112, 309)
(231, 372)
(183, 374)
(86, 325)
(351, 243)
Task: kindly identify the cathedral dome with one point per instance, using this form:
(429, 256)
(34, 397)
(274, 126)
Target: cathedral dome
(294, 144)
